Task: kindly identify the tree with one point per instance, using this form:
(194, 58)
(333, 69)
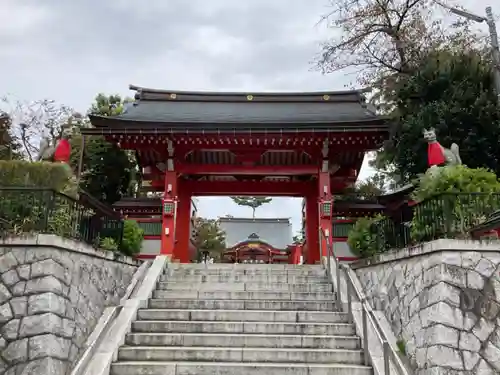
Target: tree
(372, 187)
(368, 189)
(107, 171)
(253, 202)
(454, 93)
(298, 238)
(209, 237)
(32, 121)
(9, 146)
(383, 39)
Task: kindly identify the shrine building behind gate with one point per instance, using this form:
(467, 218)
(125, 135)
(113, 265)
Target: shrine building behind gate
(308, 145)
(257, 240)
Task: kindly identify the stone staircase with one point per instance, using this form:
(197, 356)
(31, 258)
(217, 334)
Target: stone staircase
(241, 319)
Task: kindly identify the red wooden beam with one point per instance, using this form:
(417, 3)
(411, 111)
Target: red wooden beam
(271, 188)
(233, 170)
(267, 188)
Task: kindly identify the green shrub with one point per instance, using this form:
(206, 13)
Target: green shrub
(108, 243)
(56, 176)
(452, 200)
(456, 179)
(40, 209)
(361, 239)
(132, 239)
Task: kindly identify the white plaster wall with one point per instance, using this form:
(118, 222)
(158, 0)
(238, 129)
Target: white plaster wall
(342, 249)
(150, 247)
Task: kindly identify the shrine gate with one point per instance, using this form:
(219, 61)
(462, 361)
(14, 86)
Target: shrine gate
(308, 145)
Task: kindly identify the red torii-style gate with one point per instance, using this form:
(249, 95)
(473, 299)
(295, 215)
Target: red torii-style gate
(273, 144)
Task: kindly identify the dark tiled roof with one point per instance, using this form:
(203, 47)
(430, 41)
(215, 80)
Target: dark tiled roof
(138, 202)
(264, 109)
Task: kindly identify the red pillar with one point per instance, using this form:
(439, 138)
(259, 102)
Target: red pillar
(312, 224)
(183, 226)
(169, 214)
(325, 209)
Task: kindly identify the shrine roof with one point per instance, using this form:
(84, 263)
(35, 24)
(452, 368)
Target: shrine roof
(175, 111)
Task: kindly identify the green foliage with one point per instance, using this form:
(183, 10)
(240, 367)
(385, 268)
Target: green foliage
(9, 145)
(108, 105)
(132, 239)
(41, 211)
(361, 239)
(109, 244)
(252, 202)
(454, 93)
(209, 237)
(456, 179)
(401, 346)
(107, 170)
(54, 176)
(452, 200)
(298, 238)
(368, 189)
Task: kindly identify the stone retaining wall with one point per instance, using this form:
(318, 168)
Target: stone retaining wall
(52, 293)
(443, 302)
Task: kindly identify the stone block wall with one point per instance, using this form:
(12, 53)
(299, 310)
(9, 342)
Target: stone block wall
(443, 301)
(52, 293)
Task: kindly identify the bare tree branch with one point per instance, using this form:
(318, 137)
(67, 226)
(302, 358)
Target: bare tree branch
(31, 121)
(386, 36)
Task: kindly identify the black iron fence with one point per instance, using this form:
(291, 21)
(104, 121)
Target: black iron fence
(449, 215)
(30, 210)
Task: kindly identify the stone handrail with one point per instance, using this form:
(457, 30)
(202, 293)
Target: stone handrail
(107, 318)
(368, 318)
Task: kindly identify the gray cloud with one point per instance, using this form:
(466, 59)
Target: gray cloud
(71, 50)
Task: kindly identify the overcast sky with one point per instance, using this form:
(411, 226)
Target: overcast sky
(70, 50)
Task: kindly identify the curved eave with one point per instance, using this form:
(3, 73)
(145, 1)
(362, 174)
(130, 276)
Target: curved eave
(248, 242)
(144, 93)
(110, 125)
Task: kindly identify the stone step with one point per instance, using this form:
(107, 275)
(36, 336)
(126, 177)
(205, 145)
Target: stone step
(231, 368)
(164, 326)
(242, 266)
(242, 340)
(234, 278)
(243, 316)
(277, 296)
(230, 354)
(252, 272)
(198, 304)
(247, 286)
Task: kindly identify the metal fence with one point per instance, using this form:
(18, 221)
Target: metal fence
(31, 210)
(449, 215)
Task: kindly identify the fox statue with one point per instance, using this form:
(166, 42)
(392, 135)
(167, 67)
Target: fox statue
(439, 155)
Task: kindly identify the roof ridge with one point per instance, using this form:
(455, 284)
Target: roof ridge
(332, 96)
(246, 92)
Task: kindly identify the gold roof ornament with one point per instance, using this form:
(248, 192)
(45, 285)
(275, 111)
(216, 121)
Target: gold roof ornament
(326, 97)
(249, 97)
(173, 96)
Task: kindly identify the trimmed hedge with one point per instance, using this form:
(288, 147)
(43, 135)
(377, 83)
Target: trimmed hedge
(56, 176)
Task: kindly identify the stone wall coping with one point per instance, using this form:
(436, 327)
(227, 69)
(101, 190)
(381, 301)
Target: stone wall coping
(51, 240)
(428, 248)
